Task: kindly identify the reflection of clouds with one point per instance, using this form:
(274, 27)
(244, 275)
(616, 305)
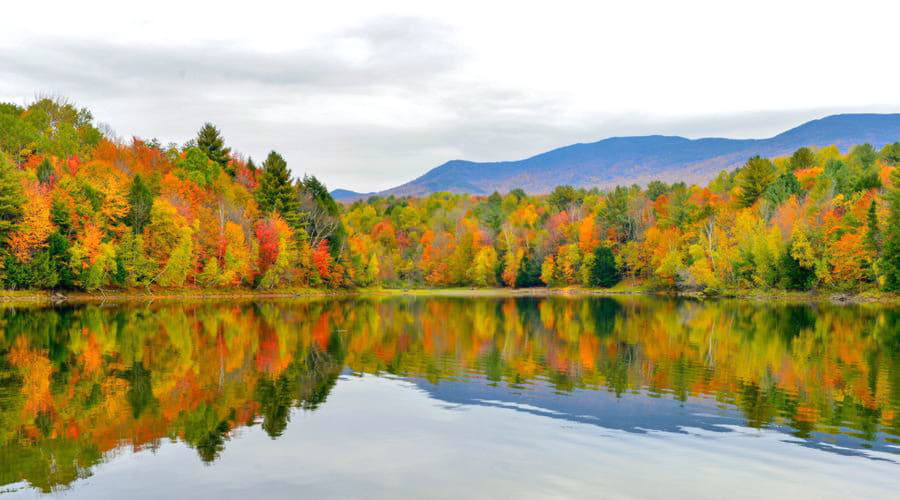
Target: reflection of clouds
(638, 412)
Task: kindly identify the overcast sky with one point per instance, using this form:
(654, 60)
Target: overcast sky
(367, 95)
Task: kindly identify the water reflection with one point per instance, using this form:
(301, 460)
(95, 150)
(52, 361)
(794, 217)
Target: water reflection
(79, 383)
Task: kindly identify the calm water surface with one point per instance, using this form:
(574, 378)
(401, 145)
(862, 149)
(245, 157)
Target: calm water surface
(450, 397)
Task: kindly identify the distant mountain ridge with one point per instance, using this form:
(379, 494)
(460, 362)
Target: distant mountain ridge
(640, 159)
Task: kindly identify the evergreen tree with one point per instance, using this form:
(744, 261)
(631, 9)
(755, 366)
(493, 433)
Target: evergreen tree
(133, 267)
(60, 255)
(43, 272)
(140, 200)
(45, 172)
(756, 176)
(890, 256)
(890, 154)
(793, 275)
(11, 197)
(211, 142)
(873, 235)
(529, 273)
(783, 188)
(321, 214)
(276, 193)
(603, 270)
(59, 215)
(802, 158)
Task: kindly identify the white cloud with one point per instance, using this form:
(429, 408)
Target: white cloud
(367, 95)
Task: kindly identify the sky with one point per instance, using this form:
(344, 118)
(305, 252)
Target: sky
(368, 95)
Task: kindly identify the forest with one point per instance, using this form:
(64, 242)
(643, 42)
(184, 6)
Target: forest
(83, 210)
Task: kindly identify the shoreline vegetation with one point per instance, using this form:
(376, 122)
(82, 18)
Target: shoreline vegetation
(85, 215)
(14, 297)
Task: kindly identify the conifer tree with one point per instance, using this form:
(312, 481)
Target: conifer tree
(802, 158)
(890, 255)
(873, 235)
(603, 270)
(276, 193)
(756, 176)
(45, 172)
(140, 200)
(11, 197)
(210, 140)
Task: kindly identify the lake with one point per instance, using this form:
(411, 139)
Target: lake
(447, 397)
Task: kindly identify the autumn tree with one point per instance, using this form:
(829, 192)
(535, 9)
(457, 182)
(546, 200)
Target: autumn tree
(320, 214)
(197, 167)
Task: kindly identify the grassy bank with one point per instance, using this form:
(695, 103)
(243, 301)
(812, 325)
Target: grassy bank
(45, 297)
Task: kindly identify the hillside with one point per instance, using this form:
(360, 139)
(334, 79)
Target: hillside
(627, 160)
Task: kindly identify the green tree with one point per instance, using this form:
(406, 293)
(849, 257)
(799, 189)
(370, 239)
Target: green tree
(863, 156)
(60, 216)
(793, 276)
(197, 167)
(603, 270)
(320, 214)
(563, 197)
(177, 268)
(45, 172)
(873, 235)
(755, 177)
(890, 256)
(802, 158)
(211, 142)
(11, 197)
(140, 200)
(783, 188)
(59, 251)
(276, 193)
(839, 174)
(655, 189)
(133, 267)
(890, 154)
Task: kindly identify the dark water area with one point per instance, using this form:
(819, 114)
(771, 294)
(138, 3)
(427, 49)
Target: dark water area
(416, 397)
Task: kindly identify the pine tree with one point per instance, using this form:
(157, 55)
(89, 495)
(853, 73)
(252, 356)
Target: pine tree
(603, 270)
(802, 158)
(45, 172)
(276, 193)
(890, 255)
(140, 201)
(11, 197)
(756, 176)
(213, 144)
(873, 235)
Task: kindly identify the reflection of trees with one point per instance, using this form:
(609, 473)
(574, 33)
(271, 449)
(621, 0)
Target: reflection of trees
(79, 381)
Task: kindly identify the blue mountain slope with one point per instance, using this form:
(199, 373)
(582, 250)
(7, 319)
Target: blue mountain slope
(626, 160)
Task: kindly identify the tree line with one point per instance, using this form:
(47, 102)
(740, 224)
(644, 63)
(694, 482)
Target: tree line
(83, 211)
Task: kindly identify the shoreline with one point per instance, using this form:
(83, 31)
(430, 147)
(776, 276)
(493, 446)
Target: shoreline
(57, 298)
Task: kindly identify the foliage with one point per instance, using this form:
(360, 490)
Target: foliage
(603, 271)
(79, 211)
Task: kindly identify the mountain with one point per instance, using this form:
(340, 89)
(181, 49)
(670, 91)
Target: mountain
(627, 160)
(346, 194)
